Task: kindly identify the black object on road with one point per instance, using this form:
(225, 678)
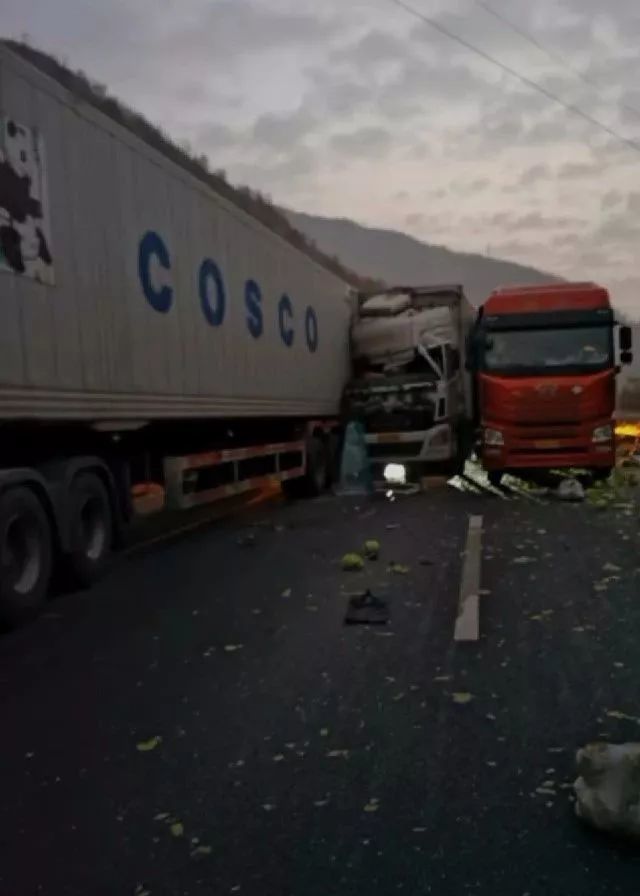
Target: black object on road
(367, 609)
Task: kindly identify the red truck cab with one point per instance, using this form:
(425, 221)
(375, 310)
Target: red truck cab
(544, 369)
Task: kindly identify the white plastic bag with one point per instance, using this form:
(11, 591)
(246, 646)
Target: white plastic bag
(608, 787)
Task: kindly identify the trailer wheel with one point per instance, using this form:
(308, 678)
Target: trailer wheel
(91, 528)
(25, 555)
(314, 481)
(334, 456)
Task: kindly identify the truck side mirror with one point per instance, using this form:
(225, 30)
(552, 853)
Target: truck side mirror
(626, 357)
(625, 341)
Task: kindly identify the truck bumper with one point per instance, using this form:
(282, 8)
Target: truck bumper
(537, 450)
(430, 446)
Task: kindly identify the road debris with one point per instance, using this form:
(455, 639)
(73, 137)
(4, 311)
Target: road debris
(366, 609)
(622, 716)
(371, 549)
(570, 490)
(177, 829)
(462, 697)
(145, 746)
(398, 569)
(608, 787)
(372, 806)
(352, 562)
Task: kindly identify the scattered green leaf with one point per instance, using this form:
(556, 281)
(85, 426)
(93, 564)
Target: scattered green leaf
(462, 697)
(145, 746)
(398, 569)
(177, 829)
(616, 714)
(371, 549)
(352, 562)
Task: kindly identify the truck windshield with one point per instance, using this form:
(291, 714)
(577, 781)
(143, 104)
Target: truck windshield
(568, 348)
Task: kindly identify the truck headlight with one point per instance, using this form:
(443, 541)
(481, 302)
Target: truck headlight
(602, 433)
(493, 437)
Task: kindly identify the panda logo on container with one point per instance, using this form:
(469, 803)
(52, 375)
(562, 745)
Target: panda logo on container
(24, 241)
(154, 265)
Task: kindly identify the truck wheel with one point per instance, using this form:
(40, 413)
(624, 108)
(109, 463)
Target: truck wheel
(314, 481)
(91, 527)
(334, 454)
(25, 555)
(317, 466)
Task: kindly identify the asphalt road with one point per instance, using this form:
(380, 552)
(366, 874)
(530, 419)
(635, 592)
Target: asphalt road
(299, 756)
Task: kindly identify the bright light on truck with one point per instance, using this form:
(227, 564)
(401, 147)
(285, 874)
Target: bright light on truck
(493, 437)
(395, 474)
(602, 433)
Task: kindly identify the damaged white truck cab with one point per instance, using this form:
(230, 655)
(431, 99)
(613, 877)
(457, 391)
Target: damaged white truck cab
(410, 388)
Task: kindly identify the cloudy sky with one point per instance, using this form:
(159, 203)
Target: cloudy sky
(356, 108)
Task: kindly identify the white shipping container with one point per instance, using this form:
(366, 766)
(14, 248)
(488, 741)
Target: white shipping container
(130, 289)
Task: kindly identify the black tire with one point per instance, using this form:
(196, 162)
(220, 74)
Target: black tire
(316, 478)
(456, 466)
(26, 553)
(91, 529)
(495, 478)
(334, 455)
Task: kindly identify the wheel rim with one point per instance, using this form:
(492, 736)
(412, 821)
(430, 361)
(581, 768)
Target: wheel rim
(23, 553)
(93, 528)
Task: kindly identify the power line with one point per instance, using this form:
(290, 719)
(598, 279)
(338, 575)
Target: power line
(529, 82)
(556, 58)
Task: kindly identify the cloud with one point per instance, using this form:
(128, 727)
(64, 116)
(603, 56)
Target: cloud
(371, 51)
(468, 188)
(619, 226)
(227, 30)
(578, 170)
(369, 141)
(281, 132)
(532, 221)
(610, 199)
(534, 173)
(414, 219)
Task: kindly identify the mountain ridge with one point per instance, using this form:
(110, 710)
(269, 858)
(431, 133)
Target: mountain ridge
(401, 259)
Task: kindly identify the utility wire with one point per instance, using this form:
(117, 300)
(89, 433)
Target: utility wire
(555, 57)
(529, 82)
